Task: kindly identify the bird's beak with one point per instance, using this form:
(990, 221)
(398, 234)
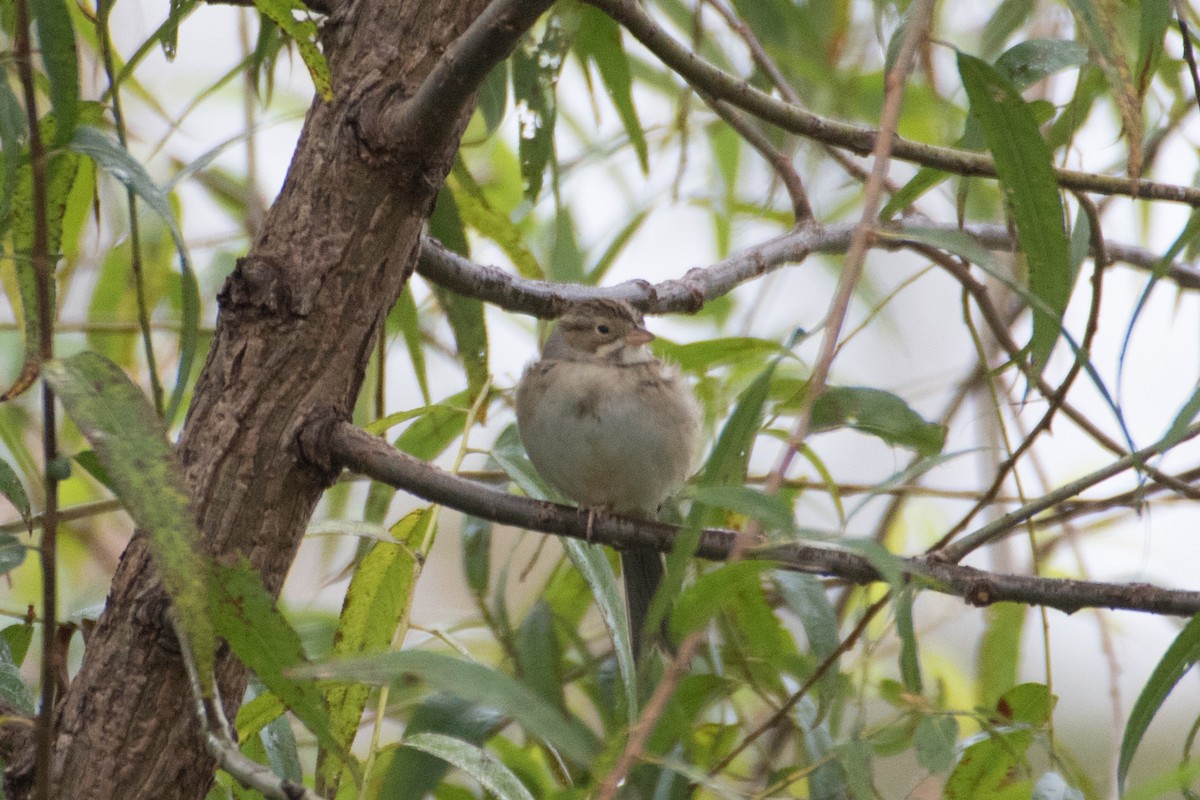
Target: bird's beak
(638, 336)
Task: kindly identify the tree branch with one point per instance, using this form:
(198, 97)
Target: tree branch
(431, 113)
(702, 284)
(713, 81)
(328, 441)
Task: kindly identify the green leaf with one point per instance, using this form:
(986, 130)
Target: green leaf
(13, 690)
(535, 72)
(986, 767)
(476, 762)
(805, 596)
(378, 601)
(465, 315)
(56, 41)
(773, 511)
(245, 616)
(1156, 17)
(413, 774)
(493, 97)
(91, 464)
(1183, 653)
(432, 433)
(18, 637)
(598, 574)
(1026, 704)
(278, 743)
(714, 592)
(404, 315)
(1028, 62)
(598, 40)
(115, 160)
(304, 33)
(473, 682)
(934, 742)
(1024, 165)
(910, 664)
(12, 131)
(476, 553)
(12, 553)
(12, 488)
(880, 414)
(538, 654)
(131, 442)
(477, 213)
(1182, 420)
(999, 651)
(702, 356)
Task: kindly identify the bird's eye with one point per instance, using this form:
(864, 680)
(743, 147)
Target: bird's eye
(602, 329)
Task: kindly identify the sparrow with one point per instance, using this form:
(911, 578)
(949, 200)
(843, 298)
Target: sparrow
(610, 426)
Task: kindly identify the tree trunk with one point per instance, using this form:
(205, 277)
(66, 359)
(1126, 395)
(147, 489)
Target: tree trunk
(297, 321)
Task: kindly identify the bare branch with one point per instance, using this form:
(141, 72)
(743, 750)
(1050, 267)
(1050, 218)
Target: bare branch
(431, 113)
(710, 80)
(699, 285)
(329, 441)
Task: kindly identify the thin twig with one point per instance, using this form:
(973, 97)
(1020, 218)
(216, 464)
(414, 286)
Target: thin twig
(856, 255)
(43, 269)
(714, 81)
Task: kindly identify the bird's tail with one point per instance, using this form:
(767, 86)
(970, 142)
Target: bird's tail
(643, 572)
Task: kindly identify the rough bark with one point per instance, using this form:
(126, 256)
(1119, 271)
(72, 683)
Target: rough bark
(297, 320)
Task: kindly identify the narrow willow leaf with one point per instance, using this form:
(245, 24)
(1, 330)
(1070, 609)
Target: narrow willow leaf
(414, 774)
(701, 356)
(934, 741)
(476, 683)
(999, 651)
(465, 315)
(476, 553)
(278, 741)
(61, 172)
(539, 655)
(1156, 17)
(479, 215)
(597, 572)
(713, 592)
(429, 436)
(805, 597)
(1099, 28)
(304, 33)
(773, 511)
(376, 607)
(473, 760)
(534, 77)
(1182, 420)
(1025, 167)
(826, 780)
(18, 638)
(12, 131)
(598, 40)
(1183, 653)
(130, 441)
(910, 663)
(56, 40)
(245, 616)
(12, 488)
(116, 161)
(12, 553)
(404, 315)
(1033, 60)
(878, 413)
(493, 97)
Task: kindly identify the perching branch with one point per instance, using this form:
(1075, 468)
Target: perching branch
(328, 441)
(713, 81)
(699, 285)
